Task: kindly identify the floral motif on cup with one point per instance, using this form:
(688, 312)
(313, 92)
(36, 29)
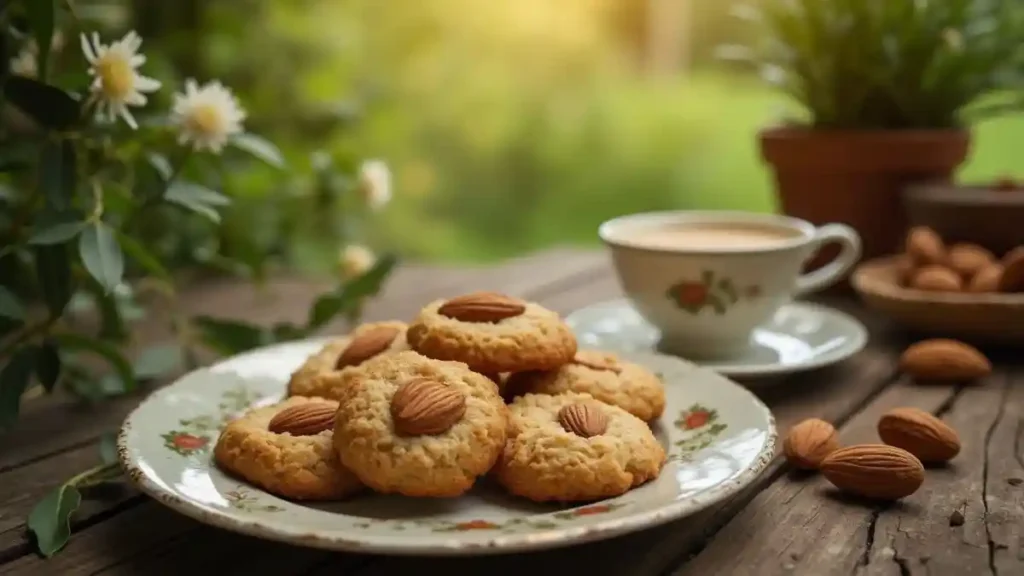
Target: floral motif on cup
(716, 293)
(241, 499)
(701, 426)
(194, 436)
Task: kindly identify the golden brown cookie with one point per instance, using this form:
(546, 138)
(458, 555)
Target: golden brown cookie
(419, 427)
(571, 447)
(286, 449)
(363, 343)
(604, 376)
(492, 333)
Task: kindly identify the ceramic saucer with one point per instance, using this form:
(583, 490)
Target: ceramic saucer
(801, 336)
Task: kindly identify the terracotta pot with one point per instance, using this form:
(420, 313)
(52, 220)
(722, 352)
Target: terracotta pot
(857, 177)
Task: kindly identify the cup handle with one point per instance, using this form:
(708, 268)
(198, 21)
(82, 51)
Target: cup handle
(849, 254)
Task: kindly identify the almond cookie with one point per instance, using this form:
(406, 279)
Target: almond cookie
(571, 447)
(604, 376)
(286, 449)
(363, 343)
(419, 427)
(492, 333)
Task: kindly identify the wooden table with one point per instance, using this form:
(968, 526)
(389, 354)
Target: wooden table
(783, 524)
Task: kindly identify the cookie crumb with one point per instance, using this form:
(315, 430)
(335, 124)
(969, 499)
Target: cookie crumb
(956, 518)
(1014, 481)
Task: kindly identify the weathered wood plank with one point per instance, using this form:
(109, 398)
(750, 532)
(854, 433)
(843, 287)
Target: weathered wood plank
(24, 484)
(1004, 483)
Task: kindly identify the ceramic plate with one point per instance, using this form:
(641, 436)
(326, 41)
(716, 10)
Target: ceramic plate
(800, 336)
(719, 437)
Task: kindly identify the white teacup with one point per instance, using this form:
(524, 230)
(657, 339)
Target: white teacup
(707, 279)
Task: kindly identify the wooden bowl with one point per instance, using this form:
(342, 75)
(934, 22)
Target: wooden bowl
(987, 215)
(987, 318)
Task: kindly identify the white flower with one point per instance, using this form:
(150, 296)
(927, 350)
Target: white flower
(24, 64)
(117, 83)
(207, 116)
(355, 260)
(375, 183)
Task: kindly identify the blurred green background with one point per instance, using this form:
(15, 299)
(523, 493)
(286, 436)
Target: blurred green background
(510, 125)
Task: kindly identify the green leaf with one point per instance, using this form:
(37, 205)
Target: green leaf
(14, 380)
(197, 198)
(230, 337)
(48, 365)
(349, 297)
(53, 271)
(50, 519)
(57, 172)
(260, 148)
(101, 255)
(75, 342)
(160, 164)
(108, 448)
(56, 227)
(49, 106)
(144, 257)
(112, 322)
(10, 306)
(159, 361)
(41, 17)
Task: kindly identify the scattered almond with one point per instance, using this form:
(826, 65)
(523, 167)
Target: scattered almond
(942, 359)
(809, 442)
(596, 361)
(935, 278)
(920, 433)
(584, 419)
(482, 307)
(967, 259)
(925, 246)
(423, 407)
(366, 345)
(874, 471)
(987, 279)
(905, 269)
(1013, 273)
(1005, 184)
(304, 419)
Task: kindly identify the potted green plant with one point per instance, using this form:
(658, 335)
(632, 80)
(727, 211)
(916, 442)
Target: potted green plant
(890, 89)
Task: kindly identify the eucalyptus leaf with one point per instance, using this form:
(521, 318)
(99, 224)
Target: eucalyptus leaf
(229, 337)
(58, 176)
(74, 342)
(50, 519)
(197, 198)
(41, 17)
(159, 361)
(260, 148)
(14, 380)
(56, 227)
(160, 164)
(53, 272)
(349, 297)
(112, 322)
(48, 105)
(48, 365)
(142, 256)
(101, 255)
(10, 306)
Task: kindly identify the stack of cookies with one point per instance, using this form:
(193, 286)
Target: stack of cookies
(479, 384)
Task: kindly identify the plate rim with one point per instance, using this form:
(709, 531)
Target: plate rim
(532, 541)
(859, 334)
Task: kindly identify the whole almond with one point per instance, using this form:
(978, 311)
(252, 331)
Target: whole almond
(919, 433)
(425, 407)
(987, 279)
(1013, 272)
(905, 270)
(935, 278)
(925, 246)
(482, 307)
(304, 419)
(874, 471)
(596, 361)
(967, 259)
(942, 359)
(366, 345)
(809, 442)
(584, 419)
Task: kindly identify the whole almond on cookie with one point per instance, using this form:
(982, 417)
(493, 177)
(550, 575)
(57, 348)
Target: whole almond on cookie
(1013, 271)
(942, 359)
(925, 246)
(584, 419)
(987, 279)
(423, 407)
(920, 433)
(935, 278)
(367, 345)
(809, 442)
(967, 259)
(482, 307)
(874, 471)
(304, 419)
